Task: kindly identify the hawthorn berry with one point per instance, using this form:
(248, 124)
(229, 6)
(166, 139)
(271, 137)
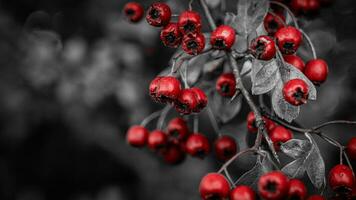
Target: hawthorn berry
(177, 128)
(165, 89)
(186, 102)
(251, 123)
(242, 193)
(297, 190)
(223, 37)
(273, 23)
(288, 39)
(157, 139)
(193, 44)
(273, 185)
(137, 136)
(316, 70)
(170, 35)
(295, 60)
(351, 148)
(316, 197)
(225, 147)
(158, 14)
(173, 154)
(305, 6)
(134, 11)
(280, 135)
(189, 22)
(214, 186)
(296, 92)
(226, 85)
(263, 48)
(202, 99)
(341, 178)
(197, 145)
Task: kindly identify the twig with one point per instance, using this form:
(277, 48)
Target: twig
(151, 117)
(162, 117)
(310, 43)
(288, 11)
(213, 121)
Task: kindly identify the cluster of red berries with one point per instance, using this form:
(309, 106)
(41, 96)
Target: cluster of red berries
(304, 6)
(273, 186)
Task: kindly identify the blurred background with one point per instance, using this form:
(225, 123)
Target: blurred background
(73, 77)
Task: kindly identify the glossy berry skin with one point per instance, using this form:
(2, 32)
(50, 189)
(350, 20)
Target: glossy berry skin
(137, 136)
(273, 186)
(251, 123)
(263, 48)
(305, 6)
(214, 186)
(317, 71)
(158, 14)
(223, 37)
(297, 190)
(225, 147)
(296, 92)
(295, 60)
(171, 36)
(226, 85)
(157, 140)
(173, 154)
(288, 39)
(165, 89)
(134, 11)
(197, 145)
(189, 22)
(280, 135)
(242, 192)
(177, 128)
(341, 178)
(351, 148)
(316, 197)
(193, 44)
(273, 23)
(202, 99)
(186, 102)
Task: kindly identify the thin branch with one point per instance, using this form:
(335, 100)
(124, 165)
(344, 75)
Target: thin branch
(323, 125)
(151, 117)
(310, 43)
(294, 19)
(208, 14)
(164, 113)
(213, 121)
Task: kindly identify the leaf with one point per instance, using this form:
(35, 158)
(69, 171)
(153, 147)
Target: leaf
(295, 169)
(296, 148)
(223, 108)
(211, 66)
(264, 76)
(213, 3)
(195, 68)
(246, 67)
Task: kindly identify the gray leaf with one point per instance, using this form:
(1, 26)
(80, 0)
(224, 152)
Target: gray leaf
(224, 109)
(195, 68)
(213, 3)
(246, 67)
(295, 169)
(296, 148)
(211, 66)
(264, 76)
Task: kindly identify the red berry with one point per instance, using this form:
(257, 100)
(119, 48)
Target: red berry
(214, 186)
(263, 48)
(197, 145)
(341, 178)
(242, 193)
(225, 147)
(296, 92)
(134, 11)
(273, 23)
(270, 125)
(137, 136)
(223, 37)
(178, 129)
(202, 99)
(288, 39)
(189, 22)
(297, 190)
(193, 44)
(316, 70)
(165, 89)
(173, 154)
(186, 102)
(296, 61)
(305, 6)
(158, 14)
(170, 35)
(273, 186)
(316, 197)
(351, 148)
(157, 140)
(251, 123)
(226, 85)
(280, 135)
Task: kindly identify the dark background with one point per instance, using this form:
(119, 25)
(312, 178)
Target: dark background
(74, 76)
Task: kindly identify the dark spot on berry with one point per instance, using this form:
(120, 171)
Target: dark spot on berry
(154, 13)
(295, 197)
(200, 153)
(175, 133)
(189, 27)
(220, 44)
(214, 197)
(225, 88)
(288, 45)
(192, 44)
(260, 49)
(343, 191)
(170, 38)
(271, 187)
(299, 95)
(273, 25)
(227, 153)
(130, 12)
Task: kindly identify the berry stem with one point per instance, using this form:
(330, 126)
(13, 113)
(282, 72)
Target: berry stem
(213, 121)
(278, 17)
(228, 176)
(196, 124)
(190, 7)
(208, 14)
(310, 43)
(348, 162)
(162, 117)
(294, 19)
(150, 117)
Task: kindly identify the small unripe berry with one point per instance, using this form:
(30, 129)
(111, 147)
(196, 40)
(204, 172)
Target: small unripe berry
(273, 185)
(157, 140)
(170, 35)
(165, 89)
(341, 178)
(193, 44)
(263, 48)
(223, 37)
(317, 71)
(214, 186)
(280, 135)
(137, 136)
(226, 85)
(177, 128)
(158, 14)
(296, 92)
(351, 148)
(295, 60)
(225, 147)
(288, 39)
(297, 190)
(197, 145)
(134, 11)
(189, 22)
(242, 192)
(273, 23)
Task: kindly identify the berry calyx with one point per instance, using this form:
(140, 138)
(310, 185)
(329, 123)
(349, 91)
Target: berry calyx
(280, 135)
(197, 145)
(296, 92)
(263, 48)
(297, 190)
(317, 71)
(273, 185)
(242, 192)
(226, 85)
(296, 61)
(165, 89)
(305, 6)
(189, 22)
(137, 136)
(214, 186)
(351, 148)
(273, 23)
(341, 179)
(170, 35)
(158, 14)
(316, 197)
(288, 39)
(173, 154)
(223, 37)
(186, 102)
(157, 140)
(177, 128)
(202, 99)
(193, 44)
(134, 11)
(225, 147)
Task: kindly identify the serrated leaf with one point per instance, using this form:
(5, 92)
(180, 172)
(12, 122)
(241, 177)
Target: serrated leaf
(223, 108)
(264, 76)
(295, 169)
(296, 148)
